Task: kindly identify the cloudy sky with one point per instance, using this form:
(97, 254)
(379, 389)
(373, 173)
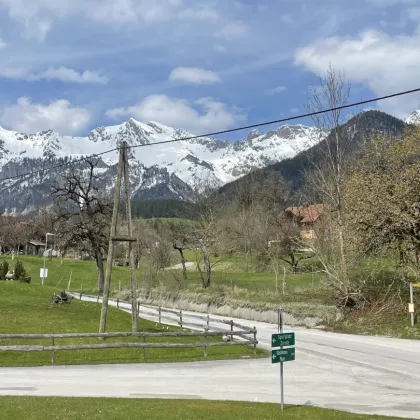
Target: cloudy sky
(203, 65)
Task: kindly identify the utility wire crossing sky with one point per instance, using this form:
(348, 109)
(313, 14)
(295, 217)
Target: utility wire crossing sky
(247, 127)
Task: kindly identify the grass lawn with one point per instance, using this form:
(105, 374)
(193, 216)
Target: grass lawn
(45, 408)
(84, 276)
(365, 324)
(83, 273)
(27, 308)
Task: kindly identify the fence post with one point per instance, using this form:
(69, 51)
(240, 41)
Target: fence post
(205, 342)
(80, 296)
(97, 299)
(231, 329)
(118, 302)
(52, 351)
(160, 316)
(208, 322)
(144, 348)
(255, 341)
(180, 318)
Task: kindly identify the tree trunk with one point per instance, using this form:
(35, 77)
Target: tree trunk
(184, 267)
(101, 271)
(293, 262)
(207, 267)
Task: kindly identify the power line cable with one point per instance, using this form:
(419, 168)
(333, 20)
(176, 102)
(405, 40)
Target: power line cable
(310, 114)
(217, 133)
(60, 165)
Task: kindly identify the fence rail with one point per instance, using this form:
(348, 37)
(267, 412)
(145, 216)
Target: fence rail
(243, 335)
(175, 316)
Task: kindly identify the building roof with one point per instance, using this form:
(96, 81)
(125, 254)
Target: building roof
(308, 213)
(36, 243)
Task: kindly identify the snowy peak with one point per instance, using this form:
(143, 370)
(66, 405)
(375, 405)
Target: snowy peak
(163, 168)
(414, 118)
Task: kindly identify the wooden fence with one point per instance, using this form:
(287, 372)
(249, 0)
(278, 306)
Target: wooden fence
(241, 336)
(177, 317)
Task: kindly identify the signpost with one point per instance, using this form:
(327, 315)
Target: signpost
(43, 273)
(282, 355)
(284, 339)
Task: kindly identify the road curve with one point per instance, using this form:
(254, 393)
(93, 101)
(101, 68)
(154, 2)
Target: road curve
(360, 374)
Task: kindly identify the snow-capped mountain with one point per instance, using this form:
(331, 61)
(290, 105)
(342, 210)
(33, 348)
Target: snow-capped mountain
(414, 118)
(157, 170)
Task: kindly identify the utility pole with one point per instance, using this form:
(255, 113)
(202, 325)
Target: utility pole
(113, 238)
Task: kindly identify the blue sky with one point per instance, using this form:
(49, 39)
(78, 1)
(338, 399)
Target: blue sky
(73, 65)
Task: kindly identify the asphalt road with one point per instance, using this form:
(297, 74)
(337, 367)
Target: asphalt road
(373, 375)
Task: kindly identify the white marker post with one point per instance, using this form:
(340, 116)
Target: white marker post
(411, 305)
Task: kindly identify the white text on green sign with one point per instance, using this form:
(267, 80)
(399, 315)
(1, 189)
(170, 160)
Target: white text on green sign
(283, 355)
(283, 339)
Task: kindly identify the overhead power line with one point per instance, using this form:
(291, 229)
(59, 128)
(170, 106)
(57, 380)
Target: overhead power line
(296, 117)
(59, 165)
(217, 133)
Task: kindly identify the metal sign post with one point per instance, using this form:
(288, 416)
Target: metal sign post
(281, 363)
(283, 354)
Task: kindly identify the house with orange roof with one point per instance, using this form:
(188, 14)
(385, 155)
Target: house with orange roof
(307, 216)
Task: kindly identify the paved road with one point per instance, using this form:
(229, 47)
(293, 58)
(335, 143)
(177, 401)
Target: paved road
(373, 375)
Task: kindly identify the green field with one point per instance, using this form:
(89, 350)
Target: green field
(45, 408)
(225, 273)
(27, 308)
(237, 283)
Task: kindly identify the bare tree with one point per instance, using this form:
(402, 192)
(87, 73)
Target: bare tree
(82, 212)
(258, 195)
(180, 244)
(204, 234)
(327, 172)
(15, 232)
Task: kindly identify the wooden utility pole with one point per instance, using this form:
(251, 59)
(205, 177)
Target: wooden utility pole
(113, 238)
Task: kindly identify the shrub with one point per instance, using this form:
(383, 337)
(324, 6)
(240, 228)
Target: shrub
(19, 270)
(4, 268)
(20, 273)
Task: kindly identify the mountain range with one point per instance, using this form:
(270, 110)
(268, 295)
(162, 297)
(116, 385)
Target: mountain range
(158, 171)
(355, 132)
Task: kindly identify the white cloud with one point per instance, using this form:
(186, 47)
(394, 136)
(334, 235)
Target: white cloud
(385, 64)
(65, 74)
(219, 48)
(414, 14)
(193, 75)
(275, 90)
(385, 3)
(286, 19)
(2, 44)
(179, 113)
(233, 30)
(59, 115)
(38, 16)
(294, 110)
(203, 13)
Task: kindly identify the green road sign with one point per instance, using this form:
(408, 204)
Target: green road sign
(283, 339)
(283, 355)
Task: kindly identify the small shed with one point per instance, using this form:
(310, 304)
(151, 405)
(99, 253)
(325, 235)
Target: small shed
(35, 247)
